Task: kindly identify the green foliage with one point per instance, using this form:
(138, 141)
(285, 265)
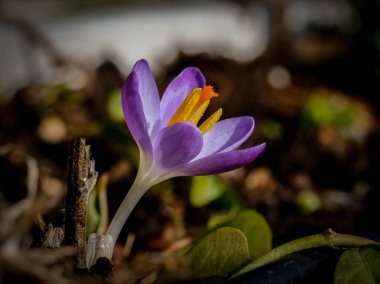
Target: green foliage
(308, 201)
(331, 110)
(97, 218)
(255, 228)
(220, 219)
(220, 253)
(114, 108)
(93, 216)
(60, 95)
(120, 140)
(346, 118)
(205, 189)
(328, 238)
(272, 129)
(359, 266)
(212, 259)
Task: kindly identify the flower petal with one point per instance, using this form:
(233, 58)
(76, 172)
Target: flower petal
(221, 162)
(189, 79)
(177, 144)
(226, 135)
(135, 117)
(149, 96)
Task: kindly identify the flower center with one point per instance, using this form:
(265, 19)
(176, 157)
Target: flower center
(193, 108)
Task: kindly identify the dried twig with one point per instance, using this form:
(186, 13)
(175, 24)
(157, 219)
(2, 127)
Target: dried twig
(16, 210)
(53, 233)
(16, 220)
(81, 179)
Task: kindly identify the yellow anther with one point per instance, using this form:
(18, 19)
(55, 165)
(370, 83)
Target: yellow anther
(210, 122)
(187, 108)
(199, 112)
(193, 108)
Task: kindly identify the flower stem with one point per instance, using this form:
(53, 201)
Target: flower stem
(134, 194)
(100, 245)
(326, 239)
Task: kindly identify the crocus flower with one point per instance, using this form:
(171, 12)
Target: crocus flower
(168, 136)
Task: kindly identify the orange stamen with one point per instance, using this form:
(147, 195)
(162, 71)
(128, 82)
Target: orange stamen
(193, 108)
(207, 94)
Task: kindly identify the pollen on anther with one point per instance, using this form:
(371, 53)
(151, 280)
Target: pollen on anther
(210, 122)
(186, 109)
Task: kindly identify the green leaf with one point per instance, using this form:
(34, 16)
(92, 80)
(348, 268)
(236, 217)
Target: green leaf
(97, 218)
(329, 108)
(256, 229)
(272, 129)
(359, 266)
(308, 201)
(328, 238)
(219, 220)
(93, 216)
(114, 106)
(205, 189)
(220, 253)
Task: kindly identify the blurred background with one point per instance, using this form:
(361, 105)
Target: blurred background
(308, 71)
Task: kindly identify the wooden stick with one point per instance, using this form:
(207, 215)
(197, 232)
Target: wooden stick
(81, 179)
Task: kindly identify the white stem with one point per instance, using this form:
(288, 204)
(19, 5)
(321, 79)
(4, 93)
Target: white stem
(137, 190)
(98, 245)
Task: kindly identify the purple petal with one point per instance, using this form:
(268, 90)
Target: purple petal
(148, 92)
(134, 114)
(222, 162)
(189, 79)
(177, 144)
(226, 135)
